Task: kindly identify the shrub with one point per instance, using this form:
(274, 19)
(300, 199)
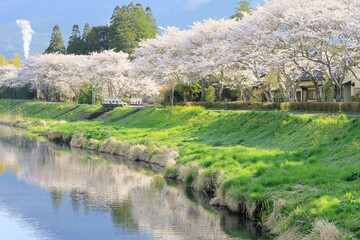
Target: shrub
(353, 176)
(218, 105)
(238, 105)
(286, 106)
(190, 177)
(171, 172)
(127, 100)
(350, 107)
(153, 100)
(355, 98)
(265, 106)
(315, 106)
(210, 94)
(96, 133)
(138, 152)
(78, 141)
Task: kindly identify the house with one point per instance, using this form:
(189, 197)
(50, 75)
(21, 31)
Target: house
(351, 87)
(306, 89)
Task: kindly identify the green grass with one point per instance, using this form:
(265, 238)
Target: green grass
(34, 109)
(80, 111)
(311, 162)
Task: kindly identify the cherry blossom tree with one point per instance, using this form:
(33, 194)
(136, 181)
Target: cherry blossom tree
(162, 59)
(110, 72)
(269, 50)
(54, 72)
(208, 54)
(67, 75)
(8, 75)
(316, 36)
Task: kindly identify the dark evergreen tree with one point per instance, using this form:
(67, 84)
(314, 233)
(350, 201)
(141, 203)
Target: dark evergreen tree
(84, 36)
(84, 40)
(144, 22)
(98, 39)
(56, 42)
(122, 36)
(129, 25)
(151, 20)
(86, 31)
(75, 44)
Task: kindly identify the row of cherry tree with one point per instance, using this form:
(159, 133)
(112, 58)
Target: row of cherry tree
(267, 50)
(68, 76)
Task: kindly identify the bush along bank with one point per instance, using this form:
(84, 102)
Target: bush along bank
(297, 175)
(286, 106)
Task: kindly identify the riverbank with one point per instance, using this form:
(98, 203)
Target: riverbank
(297, 175)
(112, 197)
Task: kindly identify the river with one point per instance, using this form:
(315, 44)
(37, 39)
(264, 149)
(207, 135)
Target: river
(49, 191)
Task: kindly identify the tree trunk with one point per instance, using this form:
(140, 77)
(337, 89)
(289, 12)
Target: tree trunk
(246, 95)
(318, 94)
(46, 94)
(240, 97)
(270, 96)
(293, 97)
(338, 94)
(220, 92)
(57, 97)
(185, 97)
(266, 94)
(221, 87)
(284, 92)
(203, 85)
(317, 90)
(172, 95)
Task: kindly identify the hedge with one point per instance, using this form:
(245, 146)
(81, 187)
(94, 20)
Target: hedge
(287, 106)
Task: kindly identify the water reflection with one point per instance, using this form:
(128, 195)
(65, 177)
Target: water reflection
(16, 228)
(78, 195)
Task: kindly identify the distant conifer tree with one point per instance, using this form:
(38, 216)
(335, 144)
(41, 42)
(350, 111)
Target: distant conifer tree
(86, 31)
(129, 25)
(75, 45)
(56, 42)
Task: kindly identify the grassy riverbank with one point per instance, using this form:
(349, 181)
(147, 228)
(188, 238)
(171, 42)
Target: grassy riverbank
(299, 175)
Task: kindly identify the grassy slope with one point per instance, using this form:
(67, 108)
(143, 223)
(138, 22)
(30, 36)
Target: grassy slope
(34, 109)
(75, 114)
(260, 156)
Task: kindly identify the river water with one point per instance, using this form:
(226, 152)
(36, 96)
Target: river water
(48, 191)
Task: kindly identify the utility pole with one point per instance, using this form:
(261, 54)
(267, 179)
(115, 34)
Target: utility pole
(93, 97)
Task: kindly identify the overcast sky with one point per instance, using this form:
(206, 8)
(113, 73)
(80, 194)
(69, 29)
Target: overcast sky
(45, 14)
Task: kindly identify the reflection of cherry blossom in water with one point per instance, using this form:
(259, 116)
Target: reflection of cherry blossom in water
(84, 187)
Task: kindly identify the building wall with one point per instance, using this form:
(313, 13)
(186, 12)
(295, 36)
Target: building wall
(350, 88)
(355, 85)
(356, 88)
(347, 89)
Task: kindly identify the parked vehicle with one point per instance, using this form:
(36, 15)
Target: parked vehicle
(112, 103)
(136, 101)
